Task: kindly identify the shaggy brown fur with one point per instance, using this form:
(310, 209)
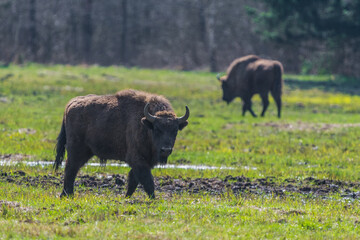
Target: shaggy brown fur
(114, 127)
(237, 68)
(251, 75)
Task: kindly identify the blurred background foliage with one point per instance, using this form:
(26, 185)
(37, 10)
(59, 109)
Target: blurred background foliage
(311, 37)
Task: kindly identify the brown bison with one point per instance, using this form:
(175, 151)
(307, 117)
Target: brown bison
(133, 126)
(250, 75)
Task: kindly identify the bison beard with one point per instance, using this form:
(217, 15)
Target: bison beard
(133, 126)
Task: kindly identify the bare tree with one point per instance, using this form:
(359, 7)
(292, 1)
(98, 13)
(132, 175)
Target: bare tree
(211, 28)
(181, 34)
(124, 32)
(33, 34)
(87, 30)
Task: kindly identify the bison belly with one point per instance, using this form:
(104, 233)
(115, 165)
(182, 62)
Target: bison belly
(106, 143)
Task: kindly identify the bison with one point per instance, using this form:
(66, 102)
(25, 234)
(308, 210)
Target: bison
(250, 75)
(132, 126)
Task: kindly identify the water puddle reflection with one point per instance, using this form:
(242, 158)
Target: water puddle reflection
(168, 166)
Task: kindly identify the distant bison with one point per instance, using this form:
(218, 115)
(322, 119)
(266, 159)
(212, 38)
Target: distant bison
(250, 75)
(133, 126)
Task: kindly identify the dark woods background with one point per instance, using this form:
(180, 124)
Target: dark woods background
(306, 36)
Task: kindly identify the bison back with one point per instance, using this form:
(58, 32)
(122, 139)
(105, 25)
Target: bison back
(264, 75)
(237, 72)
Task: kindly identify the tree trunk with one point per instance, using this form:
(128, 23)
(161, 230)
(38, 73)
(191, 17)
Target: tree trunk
(87, 30)
(210, 26)
(15, 30)
(33, 38)
(71, 45)
(124, 32)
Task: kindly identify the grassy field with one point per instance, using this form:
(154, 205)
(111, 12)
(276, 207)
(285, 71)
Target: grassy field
(317, 137)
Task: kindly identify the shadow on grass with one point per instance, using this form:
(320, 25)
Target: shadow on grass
(345, 86)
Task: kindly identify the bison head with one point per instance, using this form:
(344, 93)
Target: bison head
(228, 91)
(164, 127)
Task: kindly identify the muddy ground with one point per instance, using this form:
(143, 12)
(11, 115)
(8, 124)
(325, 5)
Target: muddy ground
(170, 185)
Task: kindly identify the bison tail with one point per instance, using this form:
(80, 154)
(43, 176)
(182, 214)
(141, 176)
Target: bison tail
(60, 147)
(278, 81)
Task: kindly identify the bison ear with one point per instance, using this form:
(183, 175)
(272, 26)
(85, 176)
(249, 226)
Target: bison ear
(182, 125)
(147, 123)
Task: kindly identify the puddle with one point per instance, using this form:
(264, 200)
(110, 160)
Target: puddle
(168, 166)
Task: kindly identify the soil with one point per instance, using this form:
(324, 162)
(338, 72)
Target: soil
(14, 157)
(216, 186)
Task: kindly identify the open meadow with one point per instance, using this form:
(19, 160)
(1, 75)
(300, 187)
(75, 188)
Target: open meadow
(293, 177)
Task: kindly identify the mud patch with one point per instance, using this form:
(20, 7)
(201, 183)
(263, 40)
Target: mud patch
(111, 78)
(13, 205)
(66, 88)
(14, 157)
(279, 210)
(4, 100)
(182, 161)
(151, 83)
(27, 131)
(6, 77)
(215, 186)
(303, 126)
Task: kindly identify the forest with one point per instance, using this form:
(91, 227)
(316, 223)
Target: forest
(306, 36)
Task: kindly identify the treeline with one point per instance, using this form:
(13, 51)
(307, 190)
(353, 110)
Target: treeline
(179, 34)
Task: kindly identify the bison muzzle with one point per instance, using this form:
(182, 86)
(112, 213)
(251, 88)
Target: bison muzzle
(132, 126)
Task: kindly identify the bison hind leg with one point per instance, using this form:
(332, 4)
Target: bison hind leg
(77, 157)
(265, 102)
(277, 98)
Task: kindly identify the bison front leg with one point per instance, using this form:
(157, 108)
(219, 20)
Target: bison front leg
(247, 106)
(277, 98)
(278, 104)
(144, 177)
(132, 183)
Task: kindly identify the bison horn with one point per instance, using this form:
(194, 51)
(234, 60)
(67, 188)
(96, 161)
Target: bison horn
(148, 115)
(185, 117)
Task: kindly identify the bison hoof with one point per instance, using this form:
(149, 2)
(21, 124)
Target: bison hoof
(64, 194)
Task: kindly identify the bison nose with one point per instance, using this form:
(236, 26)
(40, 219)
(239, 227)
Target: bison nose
(165, 151)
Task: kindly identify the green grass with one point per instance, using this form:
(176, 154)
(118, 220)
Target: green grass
(312, 139)
(197, 216)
